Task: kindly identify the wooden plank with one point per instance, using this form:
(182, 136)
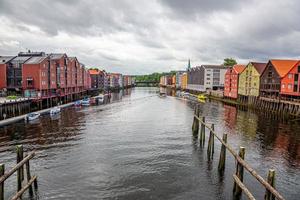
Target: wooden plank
(243, 187)
(246, 165)
(16, 167)
(19, 194)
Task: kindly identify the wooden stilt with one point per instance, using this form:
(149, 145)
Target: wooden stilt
(222, 159)
(210, 147)
(2, 170)
(271, 181)
(239, 173)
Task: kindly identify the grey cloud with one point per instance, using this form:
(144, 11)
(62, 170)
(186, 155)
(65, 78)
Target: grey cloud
(146, 36)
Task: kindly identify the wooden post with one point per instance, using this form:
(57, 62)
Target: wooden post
(2, 170)
(202, 133)
(222, 159)
(196, 122)
(271, 181)
(29, 177)
(239, 173)
(20, 172)
(210, 147)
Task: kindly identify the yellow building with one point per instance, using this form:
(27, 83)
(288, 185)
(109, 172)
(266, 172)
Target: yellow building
(184, 81)
(249, 79)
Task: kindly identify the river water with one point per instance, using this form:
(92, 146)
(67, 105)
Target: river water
(140, 146)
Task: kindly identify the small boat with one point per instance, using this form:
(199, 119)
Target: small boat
(32, 116)
(55, 110)
(99, 99)
(201, 97)
(85, 102)
(162, 95)
(77, 103)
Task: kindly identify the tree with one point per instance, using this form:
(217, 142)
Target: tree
(229, 62)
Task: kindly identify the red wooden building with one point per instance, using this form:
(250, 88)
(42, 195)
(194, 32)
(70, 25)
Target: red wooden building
(290, 86)
(232, 80)
(4, 63)
(279, 78)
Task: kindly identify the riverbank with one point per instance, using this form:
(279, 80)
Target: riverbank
(12, 120)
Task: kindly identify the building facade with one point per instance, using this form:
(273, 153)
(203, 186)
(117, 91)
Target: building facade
(206, 77)
(270, 83)
(249, 79)
(232, 81)
(290, 83)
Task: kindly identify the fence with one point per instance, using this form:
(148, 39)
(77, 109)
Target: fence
(239, 187)
(19, 168)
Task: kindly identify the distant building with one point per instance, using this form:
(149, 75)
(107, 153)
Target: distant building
(97, 79)
(178, 78)
(232, 80)
(183, 81)
(206, 77)
(249, 79)
(4, 65)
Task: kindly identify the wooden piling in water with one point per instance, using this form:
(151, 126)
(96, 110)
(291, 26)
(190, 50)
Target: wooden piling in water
(2, 170)
(195, 127)
(20, 172)
(271, 181)
(202, 132)
(237, 190)
(222, 159)
(210, 146)
(28, 178)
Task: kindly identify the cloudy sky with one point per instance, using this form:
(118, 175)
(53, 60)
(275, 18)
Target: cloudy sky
(144, 36)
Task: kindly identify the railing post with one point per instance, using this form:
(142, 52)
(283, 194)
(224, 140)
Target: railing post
(196, 122)
(202, 133)
(210, 147)
(20, 172)
(239, 173)
(29, 177)
(2, 170)
(271, 181)
(222, 159)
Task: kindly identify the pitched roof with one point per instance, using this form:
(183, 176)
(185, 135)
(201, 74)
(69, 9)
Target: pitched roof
(283, 66)
(260, 67)
(5, 59)
(94, 71)
(239, 68)
(55, 56)
(36, 59)
(215, 66)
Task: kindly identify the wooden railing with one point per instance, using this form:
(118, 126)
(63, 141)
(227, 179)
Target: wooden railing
(239, 187)
(19, 168)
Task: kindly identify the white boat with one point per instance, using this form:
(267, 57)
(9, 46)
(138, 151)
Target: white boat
(85, 102)
(55, 110)
(32, 116)
(100, 98)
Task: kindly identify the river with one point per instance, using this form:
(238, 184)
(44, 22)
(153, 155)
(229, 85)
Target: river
(140, 146)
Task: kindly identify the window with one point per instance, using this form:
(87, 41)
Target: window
(290, 75)
(208, 79)
(283, 86)
(299, 69)
(290, 86)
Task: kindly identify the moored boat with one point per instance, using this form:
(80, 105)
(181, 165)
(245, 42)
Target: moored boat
(32, 116)
(77, 103)
(85, 102)
(55, 110)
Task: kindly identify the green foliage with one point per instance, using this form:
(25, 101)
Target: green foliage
(12, 97)
(229, 62)
(154, 77)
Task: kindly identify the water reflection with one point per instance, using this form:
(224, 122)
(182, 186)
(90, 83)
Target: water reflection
(141, 147)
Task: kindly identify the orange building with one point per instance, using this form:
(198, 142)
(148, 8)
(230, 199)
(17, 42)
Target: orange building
(184, 81)
(290, 83)
(280, 77)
